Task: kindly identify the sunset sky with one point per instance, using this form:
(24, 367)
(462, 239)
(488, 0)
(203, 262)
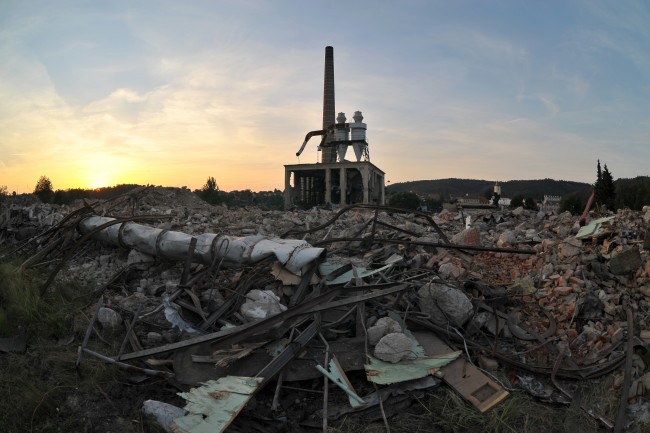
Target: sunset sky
(98, 93)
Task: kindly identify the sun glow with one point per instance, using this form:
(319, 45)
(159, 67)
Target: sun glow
(99, 180)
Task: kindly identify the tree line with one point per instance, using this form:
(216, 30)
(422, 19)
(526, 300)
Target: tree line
(210, 193)
(608, 194)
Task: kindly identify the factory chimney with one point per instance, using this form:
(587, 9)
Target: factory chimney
(328, 154)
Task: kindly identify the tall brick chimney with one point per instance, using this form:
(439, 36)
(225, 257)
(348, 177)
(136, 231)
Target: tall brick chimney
(328, 154)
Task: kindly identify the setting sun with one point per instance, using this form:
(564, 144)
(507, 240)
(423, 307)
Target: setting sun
(99, 180)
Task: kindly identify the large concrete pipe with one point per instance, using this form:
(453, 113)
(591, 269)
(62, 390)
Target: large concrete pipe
(210, 248)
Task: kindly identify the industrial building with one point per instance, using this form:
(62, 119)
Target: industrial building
(334, 179)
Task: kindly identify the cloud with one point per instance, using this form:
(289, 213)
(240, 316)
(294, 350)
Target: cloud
(189, 91)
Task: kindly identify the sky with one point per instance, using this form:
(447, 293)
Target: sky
(99, 93)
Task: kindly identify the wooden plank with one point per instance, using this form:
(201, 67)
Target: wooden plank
(385, 373)
(467, 380)
(213, 406)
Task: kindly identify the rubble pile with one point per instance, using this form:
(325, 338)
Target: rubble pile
(400, 300)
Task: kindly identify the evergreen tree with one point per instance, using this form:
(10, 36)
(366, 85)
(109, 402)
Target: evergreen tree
(609, 189)
(210, 191)
(604, 189)
(599, 193)
(43, 189)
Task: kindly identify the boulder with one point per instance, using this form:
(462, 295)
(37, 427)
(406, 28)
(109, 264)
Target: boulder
(470, 236)
(570, 247)
(393, 347)
(109, 318)
(625, 262)
(261, 304)
(449, 271)
(445, 304)
(384, 326)
(163, 413)
(507, 238)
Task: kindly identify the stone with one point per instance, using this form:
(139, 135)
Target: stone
(470, 236)
(644, 334)
(530, 234)
(637, 389)
(384, 326)
(445, 304)
(261, 304)
(487, 363)
(570, 247)
(547, 270)
(139, 260)
(393, 347)
(518, 211)
(645, 290)
(163, 413)
(212, 295)
(154, 338)
(449, 271)
(523, 286)
(626, 262)
(507, 238)
(646, 380)
(109, 318)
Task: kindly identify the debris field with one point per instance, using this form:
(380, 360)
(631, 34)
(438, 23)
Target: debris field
(361, 307)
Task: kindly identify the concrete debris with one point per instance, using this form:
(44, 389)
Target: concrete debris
(235, 299)
(625, 262)
(383, 326)
(139, 259)
(109, 318)
(506, 238)
(261, 304)
(393, 347)
(523, 286)
(445, 304)
(518, 211)
(163, 413)
(469, 236)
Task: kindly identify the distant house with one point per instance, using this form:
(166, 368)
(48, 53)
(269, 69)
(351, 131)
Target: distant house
(471, 201)
(551, 203)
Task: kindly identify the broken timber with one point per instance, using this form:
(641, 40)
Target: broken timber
(465, 378)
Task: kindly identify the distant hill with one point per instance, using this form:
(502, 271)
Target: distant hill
(526, 188)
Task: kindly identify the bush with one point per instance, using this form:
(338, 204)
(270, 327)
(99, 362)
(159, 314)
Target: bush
(210, 192)
(405, 200)
(572, 203)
